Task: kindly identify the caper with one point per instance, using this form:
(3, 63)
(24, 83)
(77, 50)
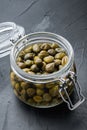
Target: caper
(23, 95)
(28, 49)
(30, 92)
(21, 54)
(59, 49)
(38, 61)
(49, 59)
(38, 73)
(39, 92)
(54, 91)
(24, 85)
(60, 67)
(26, 70)
(44, 66)
(18, 78)
(59, 55)
(40, 86)
(30, 72)
(19, 59)
(50, 67)
(57, 62)
(47, 97)
(21, 65)
(29, 62)
(16, 93)
(36, 48)
(37, 98)
(50, 85)
(29, 56)
(52, 52)
(17, 87)
(43, 54)
(31, 101)
(34, 68)
(13, 83)
(12, 75)
(55, 101)
(45, 46)
(64, 60)
(54, 45)
(45, 72)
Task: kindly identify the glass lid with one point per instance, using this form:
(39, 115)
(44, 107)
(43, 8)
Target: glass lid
(9, 34)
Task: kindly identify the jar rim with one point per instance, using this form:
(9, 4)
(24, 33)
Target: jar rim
(48, 77)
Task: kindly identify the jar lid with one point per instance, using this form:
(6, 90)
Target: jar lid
(9, 34)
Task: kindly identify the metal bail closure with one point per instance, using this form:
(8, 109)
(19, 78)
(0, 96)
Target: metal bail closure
(9, 34)
(63, 91)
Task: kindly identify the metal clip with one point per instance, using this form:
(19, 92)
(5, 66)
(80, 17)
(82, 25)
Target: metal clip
(67, 99)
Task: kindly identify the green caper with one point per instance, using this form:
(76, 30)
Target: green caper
(13, 83)
(29, 56)
(60, 67)
(17, 87)
(45, 46)
(47, 97)
(26, 70)
(30, 92)
(38, 61)
(60, 55)
(64, 60)
(54, 45)
(23, 95)
(21, 54)
(59, 50)
(30, 72)
(52, 52)
(40, 86)
(19, 59)
(30, 101)
(55, 101)
(39, 92)
(24, 85)
(50, 67)
(57, 62)
(16, 93)
(28, 62)
(37, 99)
(49, 59)
(34, 68)
(44, 66)
(21, 65)
(28, 49)
(12, 75)
(49, 85)
(36, 48)
(54, 91)
(43, 54)
(18, 79)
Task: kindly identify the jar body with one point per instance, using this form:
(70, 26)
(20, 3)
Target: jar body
(46, 90)
(42, 95)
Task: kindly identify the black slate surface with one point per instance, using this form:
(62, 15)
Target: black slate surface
(67, 18)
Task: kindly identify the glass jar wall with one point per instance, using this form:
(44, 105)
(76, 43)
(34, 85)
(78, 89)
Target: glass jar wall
(44, 90)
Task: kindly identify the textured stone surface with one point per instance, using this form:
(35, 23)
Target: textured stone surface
(67, 18)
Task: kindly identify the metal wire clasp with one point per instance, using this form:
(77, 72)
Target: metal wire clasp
(63, 89)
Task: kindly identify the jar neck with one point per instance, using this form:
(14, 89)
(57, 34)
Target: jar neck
(41, 37)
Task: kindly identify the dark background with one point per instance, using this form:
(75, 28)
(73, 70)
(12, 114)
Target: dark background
(67, 18)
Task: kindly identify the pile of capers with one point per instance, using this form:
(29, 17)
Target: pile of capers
(42, 58)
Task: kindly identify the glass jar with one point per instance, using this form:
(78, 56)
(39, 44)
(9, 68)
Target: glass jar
(44, 91)
(41, 91)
